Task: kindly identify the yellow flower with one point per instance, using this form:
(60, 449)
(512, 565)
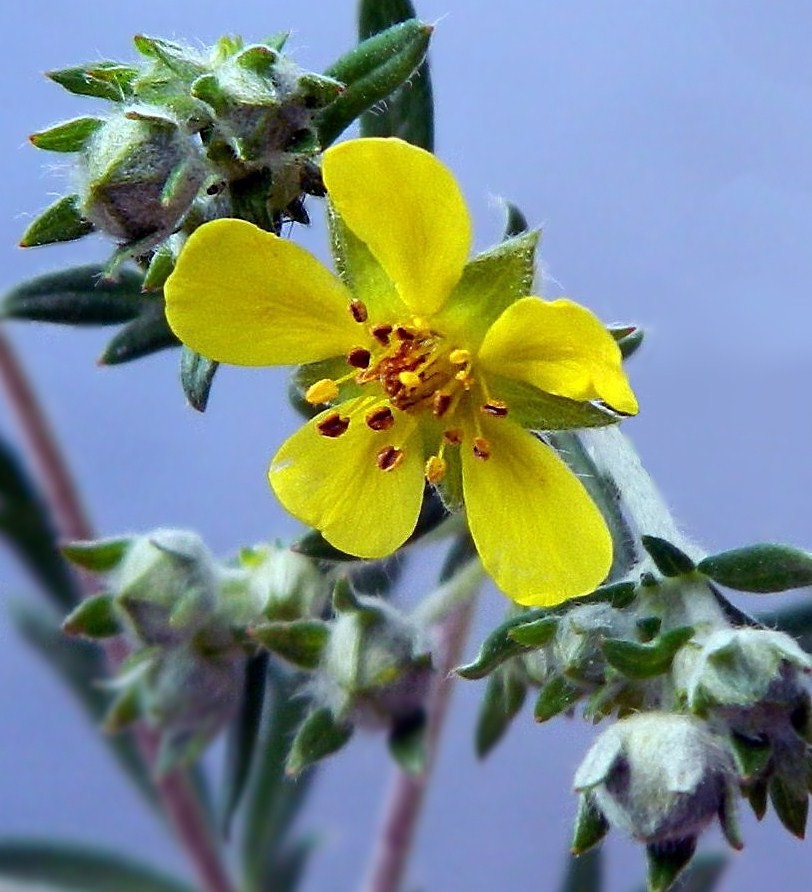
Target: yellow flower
(431, 365)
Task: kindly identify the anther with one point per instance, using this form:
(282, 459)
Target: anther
(381, 334)
(389, 458)
(359, 358)
(482, 448)
(496, 408)
(409, 379)
(380, 419)
(405, 334)
(359, 310)
(435, 469)
(459, 357)
(322, 391)
(441, 403)
(333, 425)
(453, 436)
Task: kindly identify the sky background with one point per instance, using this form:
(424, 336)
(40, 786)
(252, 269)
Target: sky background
(666, 150)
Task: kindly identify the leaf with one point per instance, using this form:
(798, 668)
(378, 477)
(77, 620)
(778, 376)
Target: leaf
(242, 738)
(147, 334)
(590, 825)
(505, 694)
(536, 633)
(760, 568)
(81, 665)
(27, 526)
(409, 112)
(666, 861)
(79, 868)
(61, 222)
(77, 296)
(300, 641)
(71, 136)
(584, 872)
(670, 560)
(556, 697)
(641, 661)
(196, 377)
(94, 617)
(104, 80)
(371, 72)
(319, 736)
(97, 555)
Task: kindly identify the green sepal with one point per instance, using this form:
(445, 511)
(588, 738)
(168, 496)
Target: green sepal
(196, 377)
(791, 803)
(147, 334)
(104, 80)
(666, 861)
(590, 825)
(94, 617)
(124, 710)
(536, 633)
(77, 296)
(757, 796)
(320, 735)
(515, 222)
(301, 642)
(670, 560)
(61, 222)
(408, 744)
(557, 696)
(628, 338)
(751, 756)
(729, 817)
(640, 661)
(317, 91)
(160, 268)
(534, 409)
(648, 627)
(174, 56)
(703, 873)
(490, 283)
(70, 136)
(97, 555)
(371, 72)
(763, 568)
(70, 867)
(505, 693)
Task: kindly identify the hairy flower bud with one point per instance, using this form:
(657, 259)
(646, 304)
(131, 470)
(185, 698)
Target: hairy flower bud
(285, 585)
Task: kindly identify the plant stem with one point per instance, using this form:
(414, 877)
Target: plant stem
(180, 801)
(407, 794)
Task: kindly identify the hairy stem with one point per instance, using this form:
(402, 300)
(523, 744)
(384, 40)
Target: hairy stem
(180, 801)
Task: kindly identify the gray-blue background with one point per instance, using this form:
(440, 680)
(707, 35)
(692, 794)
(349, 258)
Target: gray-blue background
(667, 150)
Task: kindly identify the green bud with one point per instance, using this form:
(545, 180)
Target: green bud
(284, 584)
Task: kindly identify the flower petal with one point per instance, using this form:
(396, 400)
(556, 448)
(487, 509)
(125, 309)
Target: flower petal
(560, 348)
(537, 531)
(408, 209)
(335, 485)
(247, 297)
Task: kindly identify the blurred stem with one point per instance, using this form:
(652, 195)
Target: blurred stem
(407, 793)
(180, 801)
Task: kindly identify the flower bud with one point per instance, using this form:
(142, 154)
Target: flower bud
(285, 585)
(658, 776)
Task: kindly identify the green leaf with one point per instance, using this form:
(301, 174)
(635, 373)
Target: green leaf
(409, 112)
(752, 756)
(371, 72)
(584, 872)
(61, 222)
(760, 568)
(536, 633)
(505, 693)
(177, 58)
(71, 136)
(670, 560)
(27, 526)
(160, 268)
(629, 338)
(300, 642)
(77, 296)
(95, 617)
(97, 555)
(320, 735)
(242, 738)
(666, 861)
(641, 661)
(556, 697)
(81, 666)
(590, 825)
(196, 377)
(104, 80)
(791, 804)
(407, 744)
(757, 797)
(147, 334)
(65, 867)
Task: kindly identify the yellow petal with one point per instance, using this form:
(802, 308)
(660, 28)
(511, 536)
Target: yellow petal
(408, 209)
(561, 348)
(537, 531)
(244, 296)
(334, 484)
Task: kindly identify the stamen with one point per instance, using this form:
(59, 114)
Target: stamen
(409, 379)
(359, 357)
(405, 334)
(482, 448)
(459, 357)
(453, 436)
(381, 334)
(389, 458)
(464, 378)
(333, 425)
(441, 403)
(322, 391)
(435, 468)
(359, 310)
(380, 419)
(496, 408)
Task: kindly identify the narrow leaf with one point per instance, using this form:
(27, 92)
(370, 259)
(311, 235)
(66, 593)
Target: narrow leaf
(61, 222)
(98, 555)
(505, 693)
(104, 80)
(71, 136)
(147, 334)
(536, 633)
(556, 697)
(641, 661)
(319, 736)
(760, 568)
(196, 377)
(300, 642)
(95, 617)
(670, 560)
